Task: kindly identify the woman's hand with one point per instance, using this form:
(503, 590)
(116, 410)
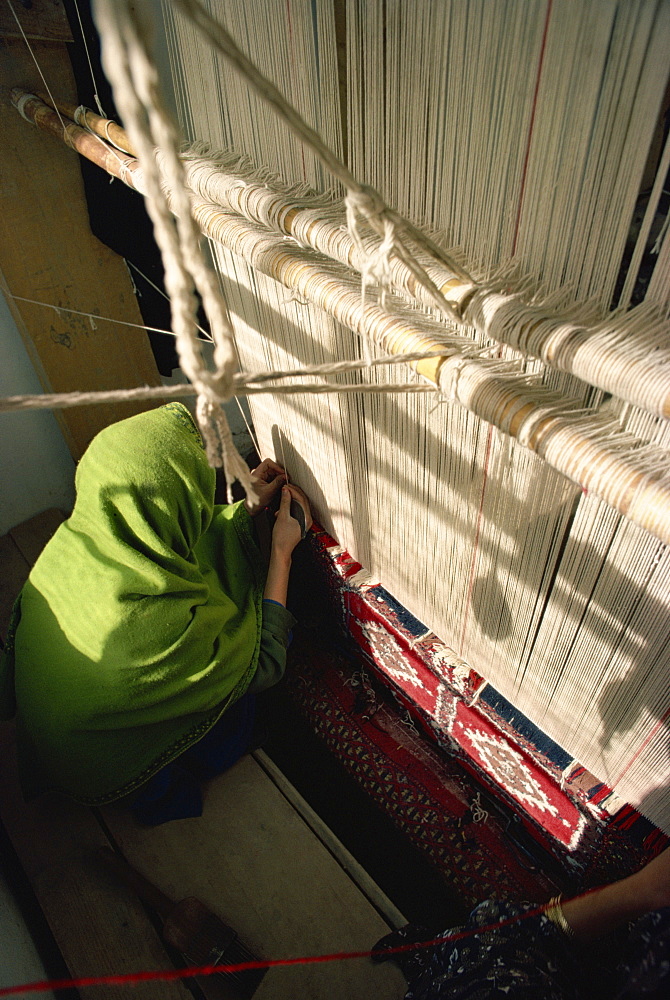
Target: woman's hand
(268, 479)
(287, 530)
(286, 534)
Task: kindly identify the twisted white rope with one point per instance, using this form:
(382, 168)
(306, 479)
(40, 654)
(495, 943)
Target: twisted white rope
(132, 72)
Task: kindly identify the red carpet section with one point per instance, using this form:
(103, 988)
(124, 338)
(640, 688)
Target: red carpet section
(497, 807)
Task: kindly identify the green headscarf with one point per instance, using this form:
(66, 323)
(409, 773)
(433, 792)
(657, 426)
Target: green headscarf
(140, 622)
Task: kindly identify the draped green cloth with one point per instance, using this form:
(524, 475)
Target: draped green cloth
(140, 621)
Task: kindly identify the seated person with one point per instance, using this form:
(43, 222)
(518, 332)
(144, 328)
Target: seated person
(148, 623)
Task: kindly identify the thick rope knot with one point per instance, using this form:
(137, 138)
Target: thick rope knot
(220, 448)
(367, 203)
(222, 385)
(364, 205)
(450, 374)
(214, 389)
(375, 263)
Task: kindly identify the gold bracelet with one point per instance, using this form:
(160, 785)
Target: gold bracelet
(554, 912)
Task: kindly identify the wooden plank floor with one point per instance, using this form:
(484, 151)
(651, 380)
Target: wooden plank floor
(256, 857)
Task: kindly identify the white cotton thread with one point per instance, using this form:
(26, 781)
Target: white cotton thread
(479, 813)
(476, 535)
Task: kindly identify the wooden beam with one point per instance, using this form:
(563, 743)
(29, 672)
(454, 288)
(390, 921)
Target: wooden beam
(40, 19)
(48, 254)
(255, 861)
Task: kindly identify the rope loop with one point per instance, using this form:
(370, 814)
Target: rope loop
(367, 202)
(79, 117)
(375, 264)
(21, 103)
(450, 374)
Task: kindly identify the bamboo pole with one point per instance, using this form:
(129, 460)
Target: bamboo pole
(106, 128)
(546, 424)
(640, 377)
(637, 371)
(118, 164)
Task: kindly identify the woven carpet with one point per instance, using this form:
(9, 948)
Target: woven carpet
(432, 800)
(492, 813)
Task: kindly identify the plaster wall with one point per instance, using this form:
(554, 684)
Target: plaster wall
(36, 468)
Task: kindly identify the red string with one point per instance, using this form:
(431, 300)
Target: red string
(167, 975)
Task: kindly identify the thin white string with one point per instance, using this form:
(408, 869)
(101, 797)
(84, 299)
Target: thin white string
(325, 369)
(479, 813)
(93, 316)
(251, 433)
(90, 64)
(645, 229)
(160, 291)
(656, 249)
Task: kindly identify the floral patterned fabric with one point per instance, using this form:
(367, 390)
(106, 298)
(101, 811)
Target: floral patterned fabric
(532, 959)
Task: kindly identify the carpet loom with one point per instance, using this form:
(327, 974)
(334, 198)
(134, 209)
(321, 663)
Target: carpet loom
(520, 134)
(499, 545)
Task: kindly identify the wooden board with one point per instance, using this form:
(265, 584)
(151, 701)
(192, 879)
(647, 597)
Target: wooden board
(254, 861)
(14, 571)
(48, 254)
(379, 900)
(19, 549)
(99, 926)
(43, 19)
(31, 536)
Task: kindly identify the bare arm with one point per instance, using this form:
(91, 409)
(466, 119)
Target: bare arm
(605, 909)
(276, 584)
(285, 536)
